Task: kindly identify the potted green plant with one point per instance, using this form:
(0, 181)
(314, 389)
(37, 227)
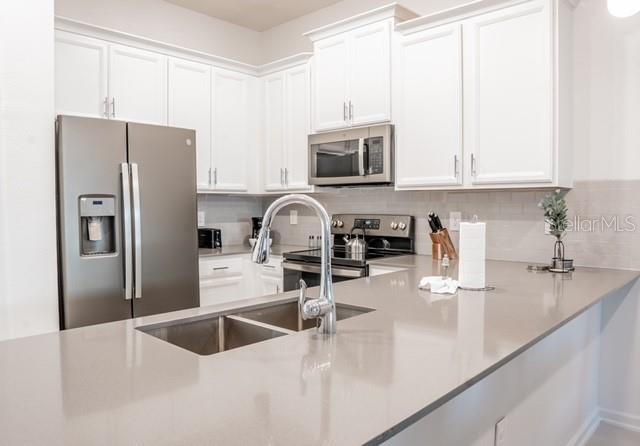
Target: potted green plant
(555, 215)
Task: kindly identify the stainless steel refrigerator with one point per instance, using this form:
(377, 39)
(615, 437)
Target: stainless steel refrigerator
(127, 224)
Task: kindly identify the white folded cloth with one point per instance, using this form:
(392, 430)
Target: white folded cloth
(438, 284)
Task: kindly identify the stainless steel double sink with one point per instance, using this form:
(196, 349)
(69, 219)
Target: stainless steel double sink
(221, 332)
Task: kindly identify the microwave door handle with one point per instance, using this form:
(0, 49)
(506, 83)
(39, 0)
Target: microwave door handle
(361, 157)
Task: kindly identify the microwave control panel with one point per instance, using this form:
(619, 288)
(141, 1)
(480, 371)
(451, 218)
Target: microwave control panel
(376, 154)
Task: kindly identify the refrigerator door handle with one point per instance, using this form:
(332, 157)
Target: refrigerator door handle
(126, 225)
(135, 179)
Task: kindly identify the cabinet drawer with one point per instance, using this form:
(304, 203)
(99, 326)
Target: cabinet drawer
(272, 268)
(223, 267)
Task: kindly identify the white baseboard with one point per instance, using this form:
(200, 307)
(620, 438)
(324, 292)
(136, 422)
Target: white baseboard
(586, 429)
(624, 420)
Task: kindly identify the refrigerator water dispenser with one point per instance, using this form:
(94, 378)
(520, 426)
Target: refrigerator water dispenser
(97, 225)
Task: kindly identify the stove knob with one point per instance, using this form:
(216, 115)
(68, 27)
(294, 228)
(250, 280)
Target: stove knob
(402, 226)
(394, 225)
(340, 223)
(334, 223)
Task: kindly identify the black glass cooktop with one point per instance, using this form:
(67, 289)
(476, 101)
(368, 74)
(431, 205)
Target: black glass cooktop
(339, 256)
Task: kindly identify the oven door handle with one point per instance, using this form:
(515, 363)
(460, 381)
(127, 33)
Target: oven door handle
(312, 268)
(361, 156)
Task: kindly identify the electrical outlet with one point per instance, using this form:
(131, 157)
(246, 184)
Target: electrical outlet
(499, 433)
(293, 217)
(454, 220)
(201, 216)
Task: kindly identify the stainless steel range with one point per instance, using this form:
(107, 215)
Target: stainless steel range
(378, 236)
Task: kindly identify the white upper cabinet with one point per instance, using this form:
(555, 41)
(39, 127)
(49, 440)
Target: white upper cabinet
(189, 106)
(509, 95)
(370, 74)
(138, 85)
(351, 78)
(230, 128)
(81, 75)
(429, 108)
(485, 101)
(330, 83)
(297, 128)
(351, 69)
(286, 121)
(274, 132)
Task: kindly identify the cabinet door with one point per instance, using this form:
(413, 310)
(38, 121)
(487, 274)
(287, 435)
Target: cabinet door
(138, 85)
(80, 76)
(297, 127)
(229, 128)
(429, 115)
(274, 132)
(508, 95)
(369, 91)
(330, 67)
(190, 107)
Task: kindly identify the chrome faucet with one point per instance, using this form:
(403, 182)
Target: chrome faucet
(324, 307)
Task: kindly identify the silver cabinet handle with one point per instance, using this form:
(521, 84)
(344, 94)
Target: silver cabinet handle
(126, 230)
(473, 165)
(281, 176)
(350, 111)
(345, 112)
(215, 176)
(209, 182)
(113, 107)
(361, 156)
(219, 268)
(286, 176)
(105, 108)
(137, 227)
(455, 166)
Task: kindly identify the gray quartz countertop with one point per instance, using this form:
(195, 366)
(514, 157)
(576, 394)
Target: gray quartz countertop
(112, 384)
(276, 250)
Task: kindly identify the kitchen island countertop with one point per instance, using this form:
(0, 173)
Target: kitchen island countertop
(113, 384)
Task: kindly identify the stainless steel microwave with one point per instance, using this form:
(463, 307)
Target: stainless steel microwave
(354, 156)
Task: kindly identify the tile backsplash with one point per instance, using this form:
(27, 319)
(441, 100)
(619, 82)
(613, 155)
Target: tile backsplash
(606, 216)
(230, 213)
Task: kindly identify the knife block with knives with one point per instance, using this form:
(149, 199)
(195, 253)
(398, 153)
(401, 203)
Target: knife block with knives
(440, 238)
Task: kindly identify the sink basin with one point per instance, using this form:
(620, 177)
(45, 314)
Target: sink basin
(212, 335)
(287, 316)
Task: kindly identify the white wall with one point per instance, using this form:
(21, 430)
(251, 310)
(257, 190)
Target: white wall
(28, 283)
(607, 93)
(165, 22)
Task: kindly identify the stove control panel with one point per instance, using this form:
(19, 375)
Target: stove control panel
(374, 225)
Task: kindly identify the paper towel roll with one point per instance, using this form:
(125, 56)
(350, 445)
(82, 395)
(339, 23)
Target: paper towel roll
(472, 255)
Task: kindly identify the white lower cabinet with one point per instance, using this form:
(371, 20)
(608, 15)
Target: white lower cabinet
(234, 278)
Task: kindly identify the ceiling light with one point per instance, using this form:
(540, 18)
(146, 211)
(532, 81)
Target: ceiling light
(623, 8)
